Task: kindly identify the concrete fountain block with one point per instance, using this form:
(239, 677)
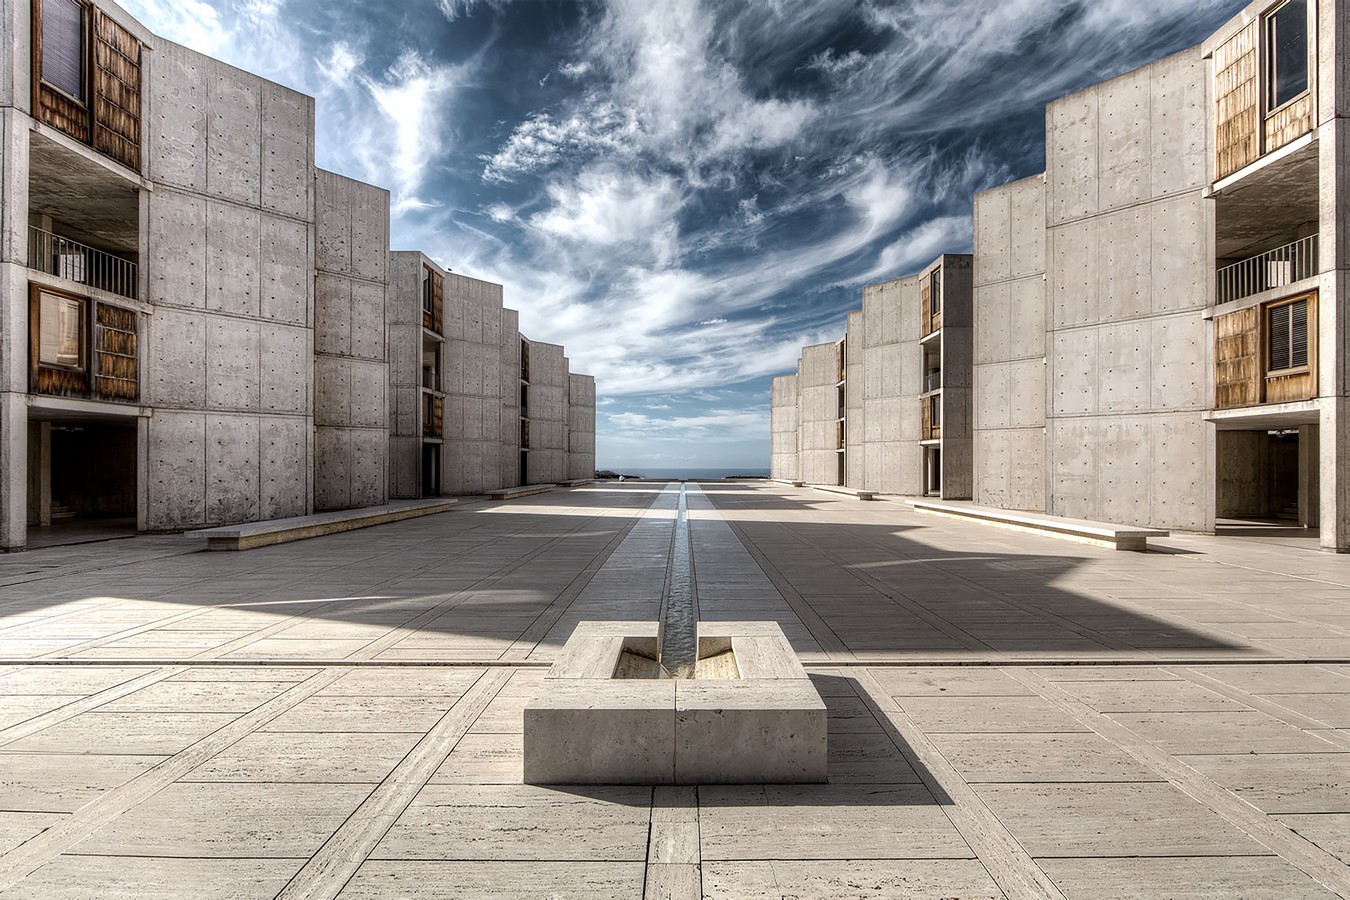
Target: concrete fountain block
(767, 725)
(593, 731)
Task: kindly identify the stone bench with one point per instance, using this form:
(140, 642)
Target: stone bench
(850, 492)
(1082, 531)
(249, 535)
(576, 482)
(787, 482)
(524, 490)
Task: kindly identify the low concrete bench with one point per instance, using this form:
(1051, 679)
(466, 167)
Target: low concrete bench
(524, 490)
(576, 482)
(1082, 531)
(249, 535)
(851, 492)
(787, 482)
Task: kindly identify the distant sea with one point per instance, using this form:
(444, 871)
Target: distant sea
(691, 474)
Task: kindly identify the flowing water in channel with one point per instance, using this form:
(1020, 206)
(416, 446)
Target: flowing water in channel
(678, 634)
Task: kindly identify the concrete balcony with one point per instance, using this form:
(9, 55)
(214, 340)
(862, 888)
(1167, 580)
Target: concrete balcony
(1273, 269)
(73, 261)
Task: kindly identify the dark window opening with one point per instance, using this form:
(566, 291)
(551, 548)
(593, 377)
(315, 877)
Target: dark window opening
(426, 289)
(63, 46)
(1287, 42)
(936, 292)
(1288, 330)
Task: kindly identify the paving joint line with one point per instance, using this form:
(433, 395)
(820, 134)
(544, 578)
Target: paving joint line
(327, 872)
(1011, 866)
(1315, 862)
(46, 846)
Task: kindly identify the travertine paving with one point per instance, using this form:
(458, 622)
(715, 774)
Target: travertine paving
(1010, 715)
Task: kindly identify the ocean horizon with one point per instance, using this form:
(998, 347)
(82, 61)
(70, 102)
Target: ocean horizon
(689, 474)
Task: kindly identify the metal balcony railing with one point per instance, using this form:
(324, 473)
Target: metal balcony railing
(1267, 271)
(932, 381)
(64, 258)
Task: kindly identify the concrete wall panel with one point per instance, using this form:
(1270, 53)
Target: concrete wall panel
(233, 276)
(285, 367)
(234, 136)
(233, 348)
(175, 470)
(287, 270)
(287, 151)
(175, 363)
(231, 469)
(284, 465)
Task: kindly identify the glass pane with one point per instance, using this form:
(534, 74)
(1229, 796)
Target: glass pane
(63, 46)
(61, 331)
(1289, 52)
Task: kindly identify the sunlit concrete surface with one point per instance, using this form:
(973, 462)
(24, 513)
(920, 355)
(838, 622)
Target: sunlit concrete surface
(1010, 715)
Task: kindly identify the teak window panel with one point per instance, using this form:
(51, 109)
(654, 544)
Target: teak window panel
(1250, 368)
(63, 361)
(433, 300)
(89, 88)
(1263, 87)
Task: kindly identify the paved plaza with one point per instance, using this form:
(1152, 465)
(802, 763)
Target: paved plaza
(1010, 715)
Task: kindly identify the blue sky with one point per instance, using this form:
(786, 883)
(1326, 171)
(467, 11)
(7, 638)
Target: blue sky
(684, 193)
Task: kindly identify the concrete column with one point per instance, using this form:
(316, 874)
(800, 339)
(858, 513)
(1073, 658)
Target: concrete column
(1333, 149)
(13, 471)
(40, 473)
(1308, 462)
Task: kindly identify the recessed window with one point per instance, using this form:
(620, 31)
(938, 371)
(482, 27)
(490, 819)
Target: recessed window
(935, 291)
(1288, 331)
(426, 289)
(61, 330)
(1287, 51)
(63, 46)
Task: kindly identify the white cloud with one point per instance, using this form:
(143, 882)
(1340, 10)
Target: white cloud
(605, 206)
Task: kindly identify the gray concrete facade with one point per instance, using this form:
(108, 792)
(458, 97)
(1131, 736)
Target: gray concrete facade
(1009, 347)
(351, 374)
(580, 427)
(242, 365)
(854, 412)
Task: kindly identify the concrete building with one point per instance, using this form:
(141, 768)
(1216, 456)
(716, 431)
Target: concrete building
(1156, 338)
(195, 329)
(1151, 304)
(886, 408)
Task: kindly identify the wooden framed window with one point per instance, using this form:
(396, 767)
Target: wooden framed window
(936, 289)
(1287, 75)
(426, 289)
(1287, 336)
(62, 329)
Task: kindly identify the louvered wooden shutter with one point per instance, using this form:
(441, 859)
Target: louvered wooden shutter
(1298, 339)
(1279, 338)
(63, 46)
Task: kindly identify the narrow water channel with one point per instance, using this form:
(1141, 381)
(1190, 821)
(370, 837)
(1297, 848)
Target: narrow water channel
(678, 632)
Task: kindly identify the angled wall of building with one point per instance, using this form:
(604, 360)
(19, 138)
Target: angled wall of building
(546, 456)
(855, 409)
(818, 376)
(475, 382)
(351, 375)
(891, 384)
(1009, 363)
(581, 427)
(227, 253)
(510, 412)
(783, 428)
(1129, 274)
